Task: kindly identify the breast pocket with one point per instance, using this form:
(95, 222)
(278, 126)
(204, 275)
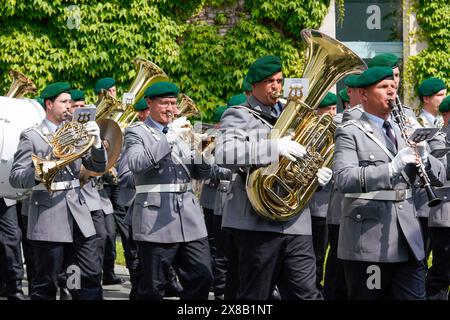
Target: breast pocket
(365, 227)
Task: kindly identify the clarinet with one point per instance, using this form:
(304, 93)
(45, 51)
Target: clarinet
(400, 117)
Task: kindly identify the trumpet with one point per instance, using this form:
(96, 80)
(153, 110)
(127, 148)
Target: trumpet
(401, 119)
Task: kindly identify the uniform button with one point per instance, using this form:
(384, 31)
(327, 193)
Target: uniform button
(358, 216)
(371, 157)
(68, 197)
(179, 172)
(400, 206)
(36, 203)
(445, 197)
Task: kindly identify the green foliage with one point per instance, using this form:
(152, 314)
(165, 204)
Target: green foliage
(290, 16)
(82, 40)
(434, 20)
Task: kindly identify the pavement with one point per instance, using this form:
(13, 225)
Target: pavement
(112, 292)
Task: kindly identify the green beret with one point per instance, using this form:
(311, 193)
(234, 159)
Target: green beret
(262, 68)
(344, 95)
(77, 95)
(374, 75)
(237, 100)
(351, 80)
(246, 86)
(162, 89)
(41, 102)
(430, 86)
(445, 105)
(104, 83)
(384, 60)
(217, 113)
(329, 100)
(141, 105)
(55, 89)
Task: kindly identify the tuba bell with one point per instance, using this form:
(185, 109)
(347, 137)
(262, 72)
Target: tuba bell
(147, 74)
(20, 85)
(280, 191)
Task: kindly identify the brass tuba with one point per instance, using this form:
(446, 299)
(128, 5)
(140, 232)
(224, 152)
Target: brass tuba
(280, 191)
(147, 74)
(69, 143)
(20, 85)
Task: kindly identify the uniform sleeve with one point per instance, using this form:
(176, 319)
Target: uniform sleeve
(239, 145)
(96, 160)
(142, 158)
(22, 171)
(350, 176)
(126, 179)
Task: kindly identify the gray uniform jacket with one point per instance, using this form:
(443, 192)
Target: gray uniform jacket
(51, 215)
(318, 205)
(334, 211)
(376, 230)
(126, 181)
(209, 192)
(243, 143)
(440, 215)
(96, 197)
(162, 217)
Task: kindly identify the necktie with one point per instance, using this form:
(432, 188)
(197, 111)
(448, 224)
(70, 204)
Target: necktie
(388, 130)
(165, 129)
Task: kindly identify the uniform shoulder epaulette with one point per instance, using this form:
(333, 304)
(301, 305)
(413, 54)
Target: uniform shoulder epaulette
(31, 128)
(347, 123)
(135, 124)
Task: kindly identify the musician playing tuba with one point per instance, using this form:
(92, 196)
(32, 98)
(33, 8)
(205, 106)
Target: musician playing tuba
(262, 248)
(59, 220)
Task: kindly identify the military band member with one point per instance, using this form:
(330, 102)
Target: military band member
(431, 93)
(11, 264)
(379, 238)
(318, 204)
(167, 219)
(264, 253)
(59, 221)
(108, 84)
(111, 189)
(438, 276)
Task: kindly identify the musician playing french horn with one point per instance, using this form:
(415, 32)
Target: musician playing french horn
(167, 220)
(375, 168)
(266, 253)
(59, 217)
